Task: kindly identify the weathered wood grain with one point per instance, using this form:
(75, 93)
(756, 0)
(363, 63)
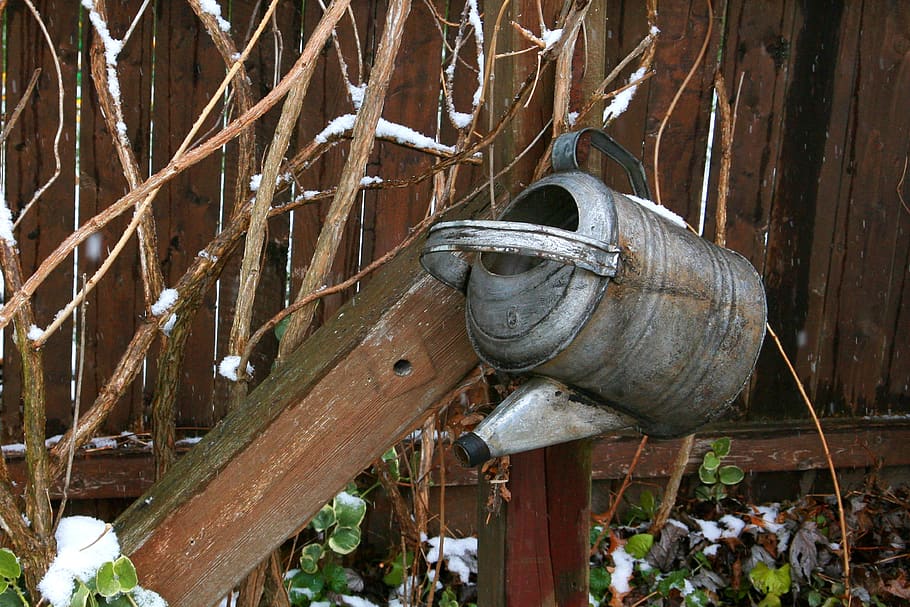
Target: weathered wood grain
(311, 426)
(29, 163)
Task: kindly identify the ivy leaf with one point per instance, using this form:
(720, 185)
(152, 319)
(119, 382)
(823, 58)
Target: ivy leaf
(308, 581)
(349, 509)
(648, 503)
(390, 457)
(125, 572)
(324, 519)
(309, 558)
(708, 477)
(731, 475)
(639, 545)
(335, 578)
(771, 600)
(600, 581)
(9, 565)
(106, 581)
(9, 598)
(711, 461)
(81, 596)
(770, 581)
(721, 446)
(344, 540)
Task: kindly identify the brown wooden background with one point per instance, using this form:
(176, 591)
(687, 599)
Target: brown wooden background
(817, 199)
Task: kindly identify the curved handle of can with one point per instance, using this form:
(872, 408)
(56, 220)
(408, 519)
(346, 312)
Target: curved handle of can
(515, 238)
(565, 156)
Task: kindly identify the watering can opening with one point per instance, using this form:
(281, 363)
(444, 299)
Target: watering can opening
(552, 206)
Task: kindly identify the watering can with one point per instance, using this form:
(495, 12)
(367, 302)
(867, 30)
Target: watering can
(622, 318)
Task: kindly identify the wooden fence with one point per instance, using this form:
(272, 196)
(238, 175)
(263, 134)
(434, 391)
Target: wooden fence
(818, 199)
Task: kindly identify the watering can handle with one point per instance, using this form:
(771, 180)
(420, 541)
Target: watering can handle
(515, 238)
(566, 157)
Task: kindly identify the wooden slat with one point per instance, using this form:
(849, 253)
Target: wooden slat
(302, 434)
(114, 309)
(759, 449)
(29, 164)
(188, 69)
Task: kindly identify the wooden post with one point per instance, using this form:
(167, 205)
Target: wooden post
(534, 551)
(361, 382)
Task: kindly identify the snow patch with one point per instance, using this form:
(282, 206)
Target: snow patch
(550, 37)
(369, 180)
(620, 103)
(165, 302)
(355, 601)
(35, 332)
(229, 365)
(169, 325)
(13, 448)
(83, 545)
(147, 598)
(658, 209)
(6, 221)
(213, 8)
(623, 567)
(460, 555)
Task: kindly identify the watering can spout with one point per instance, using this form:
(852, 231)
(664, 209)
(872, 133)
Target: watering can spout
(540, 413)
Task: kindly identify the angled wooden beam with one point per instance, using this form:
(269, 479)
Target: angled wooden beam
(355, 387)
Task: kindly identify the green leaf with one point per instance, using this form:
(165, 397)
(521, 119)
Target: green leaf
(335, 578)
(718, 492)
(398, 568)
(771, 600)
(9, 598)
(639, 545)
(708, 477)
(703, 493)
(648, 502)
(448, 598)
(600, 582)
(344, 540)
(81, 596)
(126, 574)
(106, 581)
(324, 519)
(770, 581)
(697, 598)
(675, 580)
(349, 509)
(711, 461)
(721, 446)
(390, 457)
(313, 582)
(814, 598)
(281, 327)
(309, 558)
(3, 586)
(730, 475)
(9, 565)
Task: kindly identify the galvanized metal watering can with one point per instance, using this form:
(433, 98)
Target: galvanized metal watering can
(624, 319)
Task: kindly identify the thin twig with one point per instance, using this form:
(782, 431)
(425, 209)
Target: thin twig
(71, 451)
(841, 514)
(900, 185)
(14, 117)
(57, 164)
(176, 166)
(349, 184)
(607, 517)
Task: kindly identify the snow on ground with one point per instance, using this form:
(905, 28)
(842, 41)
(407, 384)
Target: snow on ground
(83, 545)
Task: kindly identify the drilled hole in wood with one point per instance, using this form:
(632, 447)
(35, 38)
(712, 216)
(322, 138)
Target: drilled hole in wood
(402, 367)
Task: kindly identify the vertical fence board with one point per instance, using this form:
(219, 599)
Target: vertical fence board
(412, 101)
(757, 50)
(188, 70)
(115, 307)
(876, 244)
(29, 164)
